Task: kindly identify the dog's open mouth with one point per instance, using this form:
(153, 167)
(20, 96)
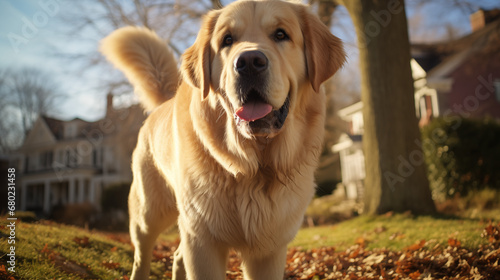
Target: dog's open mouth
(259, 114)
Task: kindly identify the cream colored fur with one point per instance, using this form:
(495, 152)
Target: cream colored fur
(193, 164)
(146, 62)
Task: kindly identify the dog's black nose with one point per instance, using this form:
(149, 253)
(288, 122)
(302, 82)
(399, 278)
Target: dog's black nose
(250, 62)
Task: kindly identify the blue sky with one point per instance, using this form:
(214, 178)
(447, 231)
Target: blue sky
(36, 27)
(30, 37)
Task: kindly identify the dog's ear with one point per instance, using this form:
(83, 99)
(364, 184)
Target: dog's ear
(197, 58)
(324, 52)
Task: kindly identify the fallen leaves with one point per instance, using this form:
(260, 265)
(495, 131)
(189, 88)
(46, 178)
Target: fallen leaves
(4, 274)
(72, 267)
(416, 246)
(65, 265)
(426, 259)
(82, 241)
(454, 242)
(397, 236)
(414, 275)
(110, 264)
(492, 232)
(361, 241)
(422, 260)
(418, 263)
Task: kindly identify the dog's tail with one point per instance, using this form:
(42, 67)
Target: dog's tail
(147, 62)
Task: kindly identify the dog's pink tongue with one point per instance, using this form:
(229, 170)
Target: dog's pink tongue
(253, 110)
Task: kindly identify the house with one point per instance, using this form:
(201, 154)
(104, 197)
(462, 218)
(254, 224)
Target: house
(458, 77)
(462, 76)
(69, 162)
(349, 146)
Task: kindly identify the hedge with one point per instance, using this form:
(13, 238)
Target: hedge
(115, 197)
(462, 155)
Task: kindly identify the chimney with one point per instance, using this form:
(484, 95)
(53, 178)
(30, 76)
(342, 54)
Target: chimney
(482, 17)
(477, 20)
(109, 104)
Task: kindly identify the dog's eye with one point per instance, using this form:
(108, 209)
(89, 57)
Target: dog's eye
(280, 35)
(227, 41)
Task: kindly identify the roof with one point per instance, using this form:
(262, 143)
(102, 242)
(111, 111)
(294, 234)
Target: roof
(482, 44)
(428, 56)
(350, 110)
(56, 126)
(346, 141)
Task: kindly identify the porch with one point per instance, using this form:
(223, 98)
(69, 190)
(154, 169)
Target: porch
(42, 195)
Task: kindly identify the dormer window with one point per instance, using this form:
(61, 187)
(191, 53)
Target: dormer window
(70, 130)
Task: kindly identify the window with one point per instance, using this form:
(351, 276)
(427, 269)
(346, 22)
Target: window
(70, 130)
(34, 196)
(60, 156)
(45, 160)
(32, 163)
(72, 159)
(86, 190)
(27, 164)
(97, 157)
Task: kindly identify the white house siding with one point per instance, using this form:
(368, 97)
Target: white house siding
(70, 162)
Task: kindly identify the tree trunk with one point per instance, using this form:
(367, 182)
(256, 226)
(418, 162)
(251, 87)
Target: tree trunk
(395, 169)
(326, 8)
(216, 4)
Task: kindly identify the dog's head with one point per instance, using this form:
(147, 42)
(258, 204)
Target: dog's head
(257, 56)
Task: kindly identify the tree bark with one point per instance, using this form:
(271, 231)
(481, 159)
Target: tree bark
(395, 170)
(326, 8)
(216, 4)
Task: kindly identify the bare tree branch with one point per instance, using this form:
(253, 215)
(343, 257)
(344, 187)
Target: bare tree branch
(326, 8)
(216, 4)
(25, 94)
(173, 20)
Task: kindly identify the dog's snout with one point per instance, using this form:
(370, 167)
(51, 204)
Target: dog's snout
(250, 62)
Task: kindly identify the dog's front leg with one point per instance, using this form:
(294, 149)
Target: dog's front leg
(178, 270)
(202, 258)
(268, 267)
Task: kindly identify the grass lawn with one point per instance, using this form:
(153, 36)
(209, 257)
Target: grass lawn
(393, 232)
(48, 250)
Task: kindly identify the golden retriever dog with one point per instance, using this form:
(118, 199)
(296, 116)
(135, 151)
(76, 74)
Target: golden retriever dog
(232, 142)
